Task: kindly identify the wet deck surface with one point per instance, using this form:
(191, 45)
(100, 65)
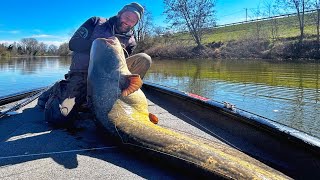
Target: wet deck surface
(30, 149)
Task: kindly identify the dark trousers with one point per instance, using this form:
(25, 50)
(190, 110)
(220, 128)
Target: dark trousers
(62, 101)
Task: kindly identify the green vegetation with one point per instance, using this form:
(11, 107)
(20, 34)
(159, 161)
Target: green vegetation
(269, 39)
(288, 27)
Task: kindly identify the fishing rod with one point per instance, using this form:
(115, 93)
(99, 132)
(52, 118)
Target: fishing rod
(21, 99)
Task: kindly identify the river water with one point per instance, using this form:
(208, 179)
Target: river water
(284, 92)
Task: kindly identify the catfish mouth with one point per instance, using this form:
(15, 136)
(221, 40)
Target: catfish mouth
(112, 41)
(115, 44)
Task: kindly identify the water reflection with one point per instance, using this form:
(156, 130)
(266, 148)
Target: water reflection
(32, 64)
(284, 92)
(18, 74)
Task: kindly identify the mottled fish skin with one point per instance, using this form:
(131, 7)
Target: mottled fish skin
(128, 118)
(104, 73)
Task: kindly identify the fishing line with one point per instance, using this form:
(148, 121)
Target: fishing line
(212, 133)
(118, 92)
(191, 134)
(58, 152)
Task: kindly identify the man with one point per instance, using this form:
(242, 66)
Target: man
(62, 102)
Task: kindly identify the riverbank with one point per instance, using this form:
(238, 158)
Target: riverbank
(284, 49)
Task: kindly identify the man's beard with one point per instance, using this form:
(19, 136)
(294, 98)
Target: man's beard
(120, 27)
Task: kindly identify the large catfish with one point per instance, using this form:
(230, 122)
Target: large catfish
(121, 108)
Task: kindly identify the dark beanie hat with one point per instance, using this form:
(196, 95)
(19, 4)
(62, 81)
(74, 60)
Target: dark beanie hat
(133, 7)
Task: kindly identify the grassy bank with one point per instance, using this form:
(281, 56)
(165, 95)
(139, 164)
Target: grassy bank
(270, 39)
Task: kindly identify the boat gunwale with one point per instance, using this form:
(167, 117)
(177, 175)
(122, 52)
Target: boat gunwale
(19, 95)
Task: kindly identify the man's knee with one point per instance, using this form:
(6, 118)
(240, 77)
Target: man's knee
(139, 64)
(145, 58)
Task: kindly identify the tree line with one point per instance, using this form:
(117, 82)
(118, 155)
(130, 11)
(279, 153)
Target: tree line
(32, 47)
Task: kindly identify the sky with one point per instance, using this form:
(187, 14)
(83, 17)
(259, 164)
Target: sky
(55, 21)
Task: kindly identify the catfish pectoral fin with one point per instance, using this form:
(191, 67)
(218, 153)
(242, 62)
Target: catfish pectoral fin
(134, 83)
(153, 118)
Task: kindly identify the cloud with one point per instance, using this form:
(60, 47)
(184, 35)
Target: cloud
(44, 36)
(50, 37)
(37, 30)
(6, 42)
(14, 32)
(57, 43)
(11, 32)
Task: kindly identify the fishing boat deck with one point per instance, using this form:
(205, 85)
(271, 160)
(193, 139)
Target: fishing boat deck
(29, 148)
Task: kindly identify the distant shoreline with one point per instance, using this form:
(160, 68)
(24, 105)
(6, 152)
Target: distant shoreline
(29, 56)
(285, 50)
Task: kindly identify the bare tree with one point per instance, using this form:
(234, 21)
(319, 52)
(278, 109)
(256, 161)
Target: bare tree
(29, 45)
(144, 26)
(15, 48)
(158, 30)
(315, 4)
(257, 14)
(193, 15)
(63, 49)
(42, 48)
(53, 50)
(3, 49)
(300, 6)
(272, 9)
